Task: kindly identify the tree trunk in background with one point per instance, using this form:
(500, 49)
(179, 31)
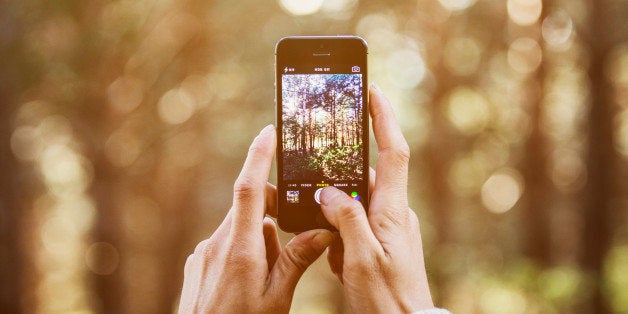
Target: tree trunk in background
(180, 194)
(597, 230)
(91, 117)
(536, 217)
(10, 214)
(536, 210)
(12, 258)
(109, 289)
(439, 152)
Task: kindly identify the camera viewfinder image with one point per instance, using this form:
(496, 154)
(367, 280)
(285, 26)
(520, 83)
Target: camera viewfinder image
(322, 127)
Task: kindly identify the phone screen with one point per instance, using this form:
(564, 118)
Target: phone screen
(322, 133)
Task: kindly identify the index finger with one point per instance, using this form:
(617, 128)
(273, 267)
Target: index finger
(394, 153)
(249, 188)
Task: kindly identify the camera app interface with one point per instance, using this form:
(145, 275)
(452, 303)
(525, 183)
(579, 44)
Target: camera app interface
(322, 117)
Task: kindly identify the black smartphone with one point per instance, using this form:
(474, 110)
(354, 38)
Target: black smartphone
(322, 125)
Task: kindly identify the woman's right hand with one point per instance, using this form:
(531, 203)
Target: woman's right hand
(379, 255)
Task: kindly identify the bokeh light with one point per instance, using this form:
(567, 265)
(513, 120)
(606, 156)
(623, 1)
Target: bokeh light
(406, 68)
(467, 175)
(62, 169)
(25, 143)
(339, 9)
(176, 106)
(621, 135)
(524, 55)
(524, 12)
(126, 122)
(503, 300)
(502, 190)
(615, 271)
(456, 5)
(63, 212)
(462, 56)
(125, 94)
(565, 103)
(560, 284)
(568, 171)
(122, 148)
(617, 70)
(56, 233)
(468, 110)
(301, 7)
(557, 29)
(102, 258)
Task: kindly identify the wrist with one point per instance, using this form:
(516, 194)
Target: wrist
(432, 311)
(417, 302)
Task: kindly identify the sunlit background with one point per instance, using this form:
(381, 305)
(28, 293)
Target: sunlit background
(123, 125)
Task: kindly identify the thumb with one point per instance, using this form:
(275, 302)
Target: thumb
(295, 258)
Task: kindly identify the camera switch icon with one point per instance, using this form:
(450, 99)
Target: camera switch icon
(355, 69)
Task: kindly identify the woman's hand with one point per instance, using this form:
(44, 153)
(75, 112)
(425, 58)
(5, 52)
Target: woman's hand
(242, 268)
(379, 257)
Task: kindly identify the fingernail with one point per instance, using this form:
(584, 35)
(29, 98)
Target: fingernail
(323, 239)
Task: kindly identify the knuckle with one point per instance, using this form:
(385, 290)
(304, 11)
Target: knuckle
(402, 151)
(188, 264)
(256, 148)
(415, 224)
(362, 267)
(240, 258)
(239, 253)
(382, 259)
(203, 247)
(350, 210)
(188, 260)
(296, 257)
(397, 217)
(244, 188)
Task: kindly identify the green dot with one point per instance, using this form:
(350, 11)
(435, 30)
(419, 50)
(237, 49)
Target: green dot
(354, 194)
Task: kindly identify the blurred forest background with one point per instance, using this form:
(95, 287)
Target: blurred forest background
(124, 124)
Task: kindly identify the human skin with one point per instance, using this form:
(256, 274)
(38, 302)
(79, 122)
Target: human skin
(242, 268)
(378, 256)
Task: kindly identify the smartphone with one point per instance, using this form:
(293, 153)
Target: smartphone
(322, 125)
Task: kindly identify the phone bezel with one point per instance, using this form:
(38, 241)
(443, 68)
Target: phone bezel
(310, 50)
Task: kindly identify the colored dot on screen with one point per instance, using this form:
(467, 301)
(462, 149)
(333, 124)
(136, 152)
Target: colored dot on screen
(354, 194)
